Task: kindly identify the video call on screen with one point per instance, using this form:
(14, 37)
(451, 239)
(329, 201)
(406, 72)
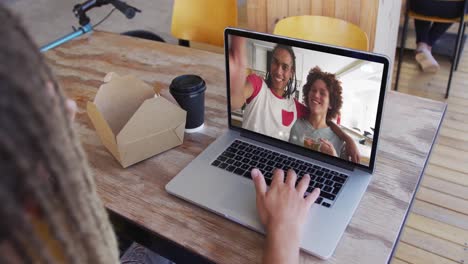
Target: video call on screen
(308, 120)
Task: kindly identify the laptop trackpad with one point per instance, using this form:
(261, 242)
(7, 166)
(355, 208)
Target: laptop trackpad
(239, 203)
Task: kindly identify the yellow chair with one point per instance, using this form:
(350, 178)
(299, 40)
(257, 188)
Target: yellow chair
(323, 29)
(456, 51)
(203, 20)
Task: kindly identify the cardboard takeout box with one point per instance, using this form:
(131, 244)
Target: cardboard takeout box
(131, 122)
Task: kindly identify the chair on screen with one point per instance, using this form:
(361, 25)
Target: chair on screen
(328, 30)
(203, 20)
(457, 49)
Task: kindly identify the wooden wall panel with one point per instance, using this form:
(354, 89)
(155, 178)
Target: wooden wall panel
(276, 10)
(328, 8)
(256, 15)
(316, 7)
(354, 13)
(263, 14)
(341, 10)
(299, 7)
(378, 18)
(369, 25)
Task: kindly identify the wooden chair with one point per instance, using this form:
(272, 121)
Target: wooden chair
(457, 49)
(323, 29)
(203, 20)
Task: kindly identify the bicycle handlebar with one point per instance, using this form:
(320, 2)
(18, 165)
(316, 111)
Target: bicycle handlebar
(80, 9)
(80, 12)
(124, 8)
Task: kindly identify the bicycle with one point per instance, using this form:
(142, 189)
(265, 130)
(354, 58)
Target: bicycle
(85, 23)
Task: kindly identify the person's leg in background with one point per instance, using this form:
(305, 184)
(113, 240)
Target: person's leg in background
(437, 30)
(427, 33)
(424, 42)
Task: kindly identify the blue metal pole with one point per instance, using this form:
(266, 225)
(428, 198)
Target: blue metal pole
(81, 31)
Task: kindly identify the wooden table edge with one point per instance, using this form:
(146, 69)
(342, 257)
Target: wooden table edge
(413, 196)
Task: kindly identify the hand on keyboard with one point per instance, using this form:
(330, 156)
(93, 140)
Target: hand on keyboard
(283, 210)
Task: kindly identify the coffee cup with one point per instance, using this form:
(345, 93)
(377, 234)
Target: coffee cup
(189, 92)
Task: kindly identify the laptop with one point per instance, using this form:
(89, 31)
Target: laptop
(219, 178)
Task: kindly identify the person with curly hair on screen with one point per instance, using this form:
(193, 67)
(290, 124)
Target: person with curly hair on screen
(322, 94)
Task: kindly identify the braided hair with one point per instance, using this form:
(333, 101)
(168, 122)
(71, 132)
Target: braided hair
(291, 87)
(45, 180)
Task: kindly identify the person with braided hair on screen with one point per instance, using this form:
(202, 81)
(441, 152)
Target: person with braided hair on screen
(270, 106)
(50, 209)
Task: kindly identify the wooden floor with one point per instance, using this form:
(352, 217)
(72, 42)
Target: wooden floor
(437, 228)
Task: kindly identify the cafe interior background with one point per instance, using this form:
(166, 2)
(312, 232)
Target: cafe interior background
(439, 219)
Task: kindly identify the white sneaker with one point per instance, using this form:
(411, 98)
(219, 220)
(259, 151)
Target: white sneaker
(427, 61)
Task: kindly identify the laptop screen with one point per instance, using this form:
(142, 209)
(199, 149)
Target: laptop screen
(323, 99)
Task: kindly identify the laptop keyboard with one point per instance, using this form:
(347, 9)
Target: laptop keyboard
(241, 157)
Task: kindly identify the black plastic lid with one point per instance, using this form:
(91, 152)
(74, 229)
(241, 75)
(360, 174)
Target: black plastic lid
(187, 84)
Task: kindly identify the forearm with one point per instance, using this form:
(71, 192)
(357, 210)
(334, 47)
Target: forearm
(280, 248)
(240, 95)
(352, 151)
(237, 71)
(237, 99)
(340, 133)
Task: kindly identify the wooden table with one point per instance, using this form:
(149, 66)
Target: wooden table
(137, 194)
